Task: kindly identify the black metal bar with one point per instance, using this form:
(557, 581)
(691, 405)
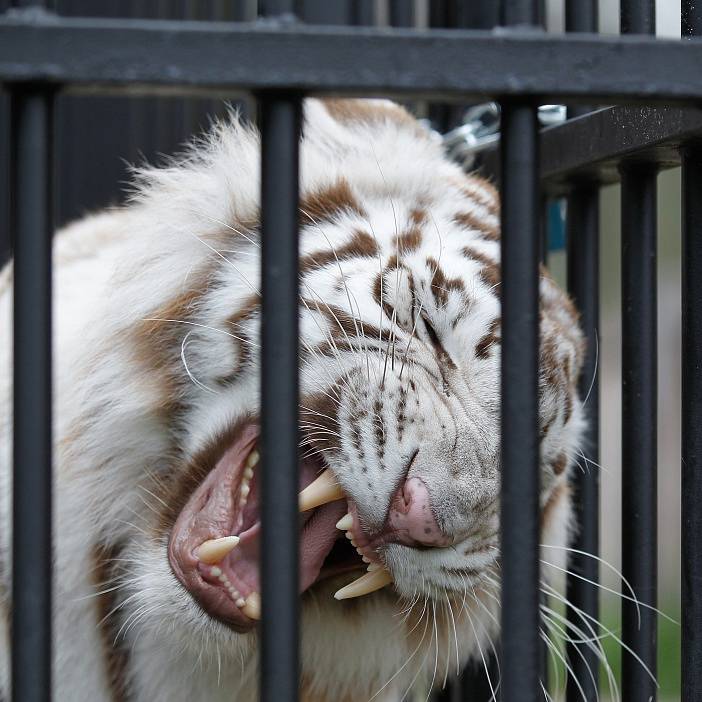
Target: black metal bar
(520, 442)
(691, 457)
(516, 12)
(639, 444)
(691, 19)
(401, 13)
(592, 147)
(204, 57)
(31, 224)
(280, 129)
(584, 287)
(325, 12)
(639, 402)
(638, 17)
(691, 487)
(581, 16)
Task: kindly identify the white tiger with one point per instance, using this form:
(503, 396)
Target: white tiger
(156, 373)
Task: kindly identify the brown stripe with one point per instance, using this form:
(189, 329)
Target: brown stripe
(157, 341)
(328, 203)
(245, 355)
(345, 325)
(380, 294)
(484, 193)
(482, 348)
(475, 224)
(361, 245)
(559, 464)
(559, 492)
(491, 273)
(441, 284)
(321, 410)
(115, 653)
(409, 241)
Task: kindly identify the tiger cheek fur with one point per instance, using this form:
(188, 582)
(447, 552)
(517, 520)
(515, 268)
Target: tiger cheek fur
(157, 309)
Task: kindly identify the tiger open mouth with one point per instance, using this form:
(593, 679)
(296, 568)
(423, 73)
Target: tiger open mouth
(214, 544)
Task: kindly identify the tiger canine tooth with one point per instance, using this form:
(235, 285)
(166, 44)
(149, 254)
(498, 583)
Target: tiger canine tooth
(252, 606)
(345, 523)
(324, 489)
(214, 550)
(367, 583)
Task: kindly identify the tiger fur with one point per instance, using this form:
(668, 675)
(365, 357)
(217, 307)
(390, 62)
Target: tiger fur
(156, 330)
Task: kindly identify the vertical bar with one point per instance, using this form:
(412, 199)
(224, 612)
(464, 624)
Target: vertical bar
(691, 469)
(280, 131)
(581, 16)
(401, 13)
(691, 488)
(516, 12)
(520, 436)
(280, 119)
(520, 365)
(584, 287)
(31, 224)
(639, 402)
(637, 17)
(639, 444)
(280, 123)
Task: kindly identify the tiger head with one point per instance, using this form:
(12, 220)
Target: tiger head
(399, 407)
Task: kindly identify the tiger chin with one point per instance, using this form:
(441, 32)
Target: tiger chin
(156, 420)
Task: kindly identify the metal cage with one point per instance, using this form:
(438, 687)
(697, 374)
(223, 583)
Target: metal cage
(278, 60)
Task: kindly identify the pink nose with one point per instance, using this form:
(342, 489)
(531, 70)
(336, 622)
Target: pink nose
(411, 520)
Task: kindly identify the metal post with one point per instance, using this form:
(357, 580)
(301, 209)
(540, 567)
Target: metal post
(583, 285)
(520, 362)
(581, 16)
(691, 488)
(520, 435)
(280, 131)
(639, 444)
(639, 402)
(31, 226)
(691, 469)
(280, 117)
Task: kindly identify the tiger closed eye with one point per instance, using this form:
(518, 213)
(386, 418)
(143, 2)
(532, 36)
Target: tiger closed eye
(159, 475)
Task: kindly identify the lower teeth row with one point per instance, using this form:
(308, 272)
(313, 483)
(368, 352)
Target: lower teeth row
(233, 592)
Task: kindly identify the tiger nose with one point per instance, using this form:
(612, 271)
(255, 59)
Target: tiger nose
(411, 520)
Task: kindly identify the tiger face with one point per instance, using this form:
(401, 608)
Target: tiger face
(399, 414)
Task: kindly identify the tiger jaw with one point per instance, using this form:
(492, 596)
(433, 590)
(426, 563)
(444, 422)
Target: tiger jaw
(214, 543)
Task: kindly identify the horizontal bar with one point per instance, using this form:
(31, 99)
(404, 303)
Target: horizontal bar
(195, 56)
(593, 146)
